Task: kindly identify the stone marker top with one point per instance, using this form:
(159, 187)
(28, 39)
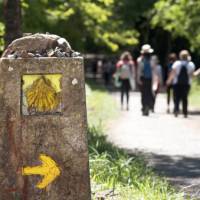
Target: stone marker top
(39, 45)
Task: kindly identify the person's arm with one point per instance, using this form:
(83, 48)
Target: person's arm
(171, 77)
(197, 72)
(172, 73)
(118, 66)
(160, 75)
(133, 72)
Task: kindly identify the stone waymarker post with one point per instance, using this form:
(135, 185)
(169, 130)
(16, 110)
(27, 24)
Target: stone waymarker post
(43, 144)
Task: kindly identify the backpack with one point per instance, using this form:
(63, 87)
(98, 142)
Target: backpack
(125, 71)
(147, 70)
(183, 77)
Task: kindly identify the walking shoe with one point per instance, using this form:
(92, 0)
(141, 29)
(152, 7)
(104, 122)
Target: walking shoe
(145, 112)
(176, 114)
(168, 110)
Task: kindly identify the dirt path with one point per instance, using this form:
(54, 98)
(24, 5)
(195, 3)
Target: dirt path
(171, 145)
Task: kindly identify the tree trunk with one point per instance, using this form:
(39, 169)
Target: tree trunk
(12, 17)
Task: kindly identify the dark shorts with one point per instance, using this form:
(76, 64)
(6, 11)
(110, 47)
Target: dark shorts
(125, 84)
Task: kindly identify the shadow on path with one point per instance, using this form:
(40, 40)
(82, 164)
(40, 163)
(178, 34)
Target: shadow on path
(177, 167)
(182, 172)
(196, 112)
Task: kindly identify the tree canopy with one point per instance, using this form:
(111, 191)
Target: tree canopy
(2, 28)
(112, 25)
(90, 25)
(180, 18)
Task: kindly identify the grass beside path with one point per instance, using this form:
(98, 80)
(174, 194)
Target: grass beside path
(195, 93)
(114, 172)
(100, 106)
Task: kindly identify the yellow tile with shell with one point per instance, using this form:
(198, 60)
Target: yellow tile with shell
(42, 92)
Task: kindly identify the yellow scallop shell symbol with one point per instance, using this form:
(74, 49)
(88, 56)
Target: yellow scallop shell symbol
(42, 96)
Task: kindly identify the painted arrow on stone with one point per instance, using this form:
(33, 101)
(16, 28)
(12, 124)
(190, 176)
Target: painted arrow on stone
(49, 169)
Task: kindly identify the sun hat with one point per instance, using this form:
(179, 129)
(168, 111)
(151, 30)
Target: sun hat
(146, 48)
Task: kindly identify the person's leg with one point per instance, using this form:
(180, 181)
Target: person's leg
(154, 101)
(174, 94)
(155, 96)
(173, 97)
(177, 93)
(147, 97)
(168, 95)
(122, 93)
(127, 94)
(168, 98)
(150, 95)
(143, 95)
(185, 93)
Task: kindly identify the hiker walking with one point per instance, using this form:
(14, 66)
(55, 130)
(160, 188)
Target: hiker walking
(157, 78)
(144, 78)
(181, 77)
(171, 59)
(126, 70)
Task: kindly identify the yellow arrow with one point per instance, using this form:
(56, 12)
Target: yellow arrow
(48, 169)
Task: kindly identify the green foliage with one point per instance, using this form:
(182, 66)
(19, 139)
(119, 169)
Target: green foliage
(2, 30)
(181, 18)
(92, 26)
(134, 12)
(98, 105)
(82, 22)
(195, 93)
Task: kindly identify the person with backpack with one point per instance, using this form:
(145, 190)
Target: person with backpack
(181, 77)
(145, 77)
(126, 71)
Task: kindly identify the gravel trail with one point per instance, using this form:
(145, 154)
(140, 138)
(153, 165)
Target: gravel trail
(171, 145)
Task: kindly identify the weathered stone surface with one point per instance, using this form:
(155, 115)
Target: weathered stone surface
(37, 43)
(62, 137)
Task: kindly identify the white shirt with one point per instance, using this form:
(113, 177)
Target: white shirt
(177, 68)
